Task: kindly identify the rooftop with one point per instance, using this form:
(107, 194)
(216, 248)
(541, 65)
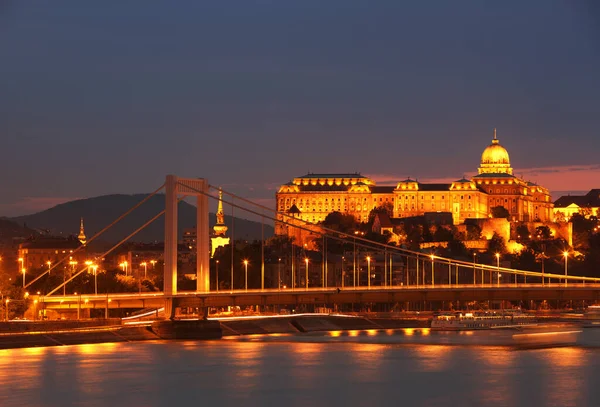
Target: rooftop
(339, 175)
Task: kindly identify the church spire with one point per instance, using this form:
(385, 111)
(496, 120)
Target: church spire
(81, 236)
(220, 227)
(219, 239)
(220, 214)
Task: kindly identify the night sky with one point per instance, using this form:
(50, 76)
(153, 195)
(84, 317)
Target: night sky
(110, 96)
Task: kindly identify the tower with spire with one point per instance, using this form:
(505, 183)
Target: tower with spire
(219, 230)
(81, 236)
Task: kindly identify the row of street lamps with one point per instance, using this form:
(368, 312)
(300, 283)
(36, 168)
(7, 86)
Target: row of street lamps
(368, 258)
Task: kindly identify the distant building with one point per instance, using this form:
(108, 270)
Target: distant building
(312, 197)
(587, 205)
(42, 251)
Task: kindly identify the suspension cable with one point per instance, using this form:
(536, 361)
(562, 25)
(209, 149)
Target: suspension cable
(113, 248)
(134, 207)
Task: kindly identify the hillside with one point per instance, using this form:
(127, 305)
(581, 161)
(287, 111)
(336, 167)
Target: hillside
(100, 211)
(10, 229)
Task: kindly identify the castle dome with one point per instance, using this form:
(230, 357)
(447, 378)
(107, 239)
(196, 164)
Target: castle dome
(495, 158)
(495, 154)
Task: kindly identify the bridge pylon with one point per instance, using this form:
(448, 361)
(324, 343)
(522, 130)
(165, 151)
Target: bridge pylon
(174, 187)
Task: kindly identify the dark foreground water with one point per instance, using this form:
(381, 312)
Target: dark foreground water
(360, 370)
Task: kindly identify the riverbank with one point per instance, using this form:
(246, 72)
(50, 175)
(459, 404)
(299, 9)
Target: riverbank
(59, 333)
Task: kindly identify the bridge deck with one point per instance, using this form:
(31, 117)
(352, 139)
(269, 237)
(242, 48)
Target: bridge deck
(397, 294)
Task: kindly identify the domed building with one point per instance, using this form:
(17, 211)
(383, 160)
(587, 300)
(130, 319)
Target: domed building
(525, 201)
(316, 195)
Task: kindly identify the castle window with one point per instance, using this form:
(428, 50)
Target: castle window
(462, 197)
(432, 197)
(469, 196)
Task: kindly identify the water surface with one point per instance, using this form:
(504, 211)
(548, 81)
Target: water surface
(290, 371)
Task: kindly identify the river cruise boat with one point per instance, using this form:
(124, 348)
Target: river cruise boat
(591, 318)
(546, 335)
(481, 320)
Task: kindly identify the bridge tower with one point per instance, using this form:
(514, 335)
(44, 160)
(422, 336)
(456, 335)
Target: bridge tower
(174, 187)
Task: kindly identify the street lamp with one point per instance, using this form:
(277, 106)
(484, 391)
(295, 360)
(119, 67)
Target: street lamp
(498, 267)
(279, 273)
(306, 262)
(246, 267)
(343, 258)
(23, 271)
(145, 265)
(474, 260)
(432, 265)
(217, 274)
(153, 262)
(369, 271)
(49, 263)
(566, 254)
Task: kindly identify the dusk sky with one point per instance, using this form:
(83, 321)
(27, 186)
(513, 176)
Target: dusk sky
(109, 97)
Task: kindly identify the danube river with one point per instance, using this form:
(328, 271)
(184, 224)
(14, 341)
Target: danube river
(374, 369)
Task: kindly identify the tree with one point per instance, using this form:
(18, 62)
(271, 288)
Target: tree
(342, 222)
(386, 208)
(473, 232)
(560, 217)
(522, 232)
(543, 232)
(500, 212)
(496, 244)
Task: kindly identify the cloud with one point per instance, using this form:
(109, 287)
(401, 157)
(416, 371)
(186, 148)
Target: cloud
(27, 205)
(556, 178)
(563, 178)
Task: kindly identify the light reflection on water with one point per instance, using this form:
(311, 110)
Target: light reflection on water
(368, 370)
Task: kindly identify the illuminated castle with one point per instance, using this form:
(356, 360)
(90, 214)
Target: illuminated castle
(313, 196)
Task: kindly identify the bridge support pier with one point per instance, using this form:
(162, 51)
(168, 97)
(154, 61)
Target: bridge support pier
(169, 308)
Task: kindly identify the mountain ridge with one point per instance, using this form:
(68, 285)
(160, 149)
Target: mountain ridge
(98, 212)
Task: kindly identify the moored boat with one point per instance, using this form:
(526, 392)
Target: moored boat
(480, 320)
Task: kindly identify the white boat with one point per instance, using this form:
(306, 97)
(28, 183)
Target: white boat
(591, 318)
(546, 335)
(481, 320)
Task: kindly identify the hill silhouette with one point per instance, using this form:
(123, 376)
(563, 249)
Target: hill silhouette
(10, 229)
(100, 211)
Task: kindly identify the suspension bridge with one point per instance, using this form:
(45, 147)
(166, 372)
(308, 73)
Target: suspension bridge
(369, 273)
